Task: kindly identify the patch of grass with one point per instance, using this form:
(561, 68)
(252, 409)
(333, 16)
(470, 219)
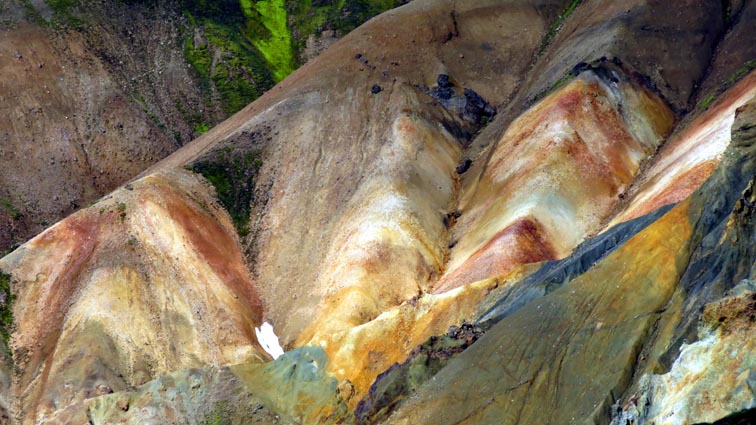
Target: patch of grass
(10, 209)
(737, 75)
(31, 13)
(276, 48)
(250, 45)
(122, 211)
(227, 61)
(6, 307)
(220, 415)
(233, 176)
(202, 128)
(557, 25)
(313, 16)
(704, 103)
(65, 13)
(556, 86)
(743, 70)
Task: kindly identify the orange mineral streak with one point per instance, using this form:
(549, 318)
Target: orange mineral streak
(391, 240)
(363, 352)
(691, 155)
(45, 305)
(162, 253)
(560, 167)
(211, 240)
(522, 242)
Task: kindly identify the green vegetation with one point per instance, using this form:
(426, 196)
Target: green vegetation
(241, 48)
(566, 78)
(314, 16)
(276, 48)
(704, 103)
(122, 211)
(233, 176)
(220, 415)
(743, 70)
(202, 128)
(30, 13)
(737, 75)
(557, 25)
(6, 307)
(64, 14)
(225, 57)
(10, 209)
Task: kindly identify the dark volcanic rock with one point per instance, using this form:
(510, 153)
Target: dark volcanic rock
(402, 380)
(554, 274)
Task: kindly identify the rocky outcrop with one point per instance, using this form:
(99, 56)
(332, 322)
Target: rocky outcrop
(722, 258)
(292, 389)
(142, 283)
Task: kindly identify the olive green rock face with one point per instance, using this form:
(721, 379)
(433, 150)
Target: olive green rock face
(490, 162)
(291, 389)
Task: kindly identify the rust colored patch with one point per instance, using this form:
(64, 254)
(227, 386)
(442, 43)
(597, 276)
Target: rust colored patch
(212, 241)
(521, 242)
(734, 314)
(77, 238)
(677, 190)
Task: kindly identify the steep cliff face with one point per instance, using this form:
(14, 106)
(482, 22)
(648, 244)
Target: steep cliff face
(549, 172)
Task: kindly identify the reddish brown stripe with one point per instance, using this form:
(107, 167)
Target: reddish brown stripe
(522, 242)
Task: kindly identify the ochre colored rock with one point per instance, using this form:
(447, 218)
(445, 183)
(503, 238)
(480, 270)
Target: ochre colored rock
(146, 281)
(690, 156)
(503, 136)
(564, 161)
(541, 365)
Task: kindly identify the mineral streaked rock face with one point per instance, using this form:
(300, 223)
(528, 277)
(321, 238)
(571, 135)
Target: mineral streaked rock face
(564, 161)
(663, 274)
(722, 256)
(712, 377)
(391, 244)
(142, 283)
(317, 171)
(550, 349)
(355, 211)
(689, 158)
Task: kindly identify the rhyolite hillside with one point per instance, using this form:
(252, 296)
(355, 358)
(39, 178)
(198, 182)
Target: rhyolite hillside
(93, 92)
(504, 212)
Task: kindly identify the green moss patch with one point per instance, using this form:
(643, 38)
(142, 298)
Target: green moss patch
(276, 45)
(65, 14)
(314, 16)
(232, 173)
(742, 71)
(6, 205)
(6, 307)
(240, 49)
(225, 59)
(557, 25)
(731, 80)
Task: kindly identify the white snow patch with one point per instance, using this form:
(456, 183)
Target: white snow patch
(269, 340)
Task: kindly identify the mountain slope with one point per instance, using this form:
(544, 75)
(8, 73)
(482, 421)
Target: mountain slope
(482, 167)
